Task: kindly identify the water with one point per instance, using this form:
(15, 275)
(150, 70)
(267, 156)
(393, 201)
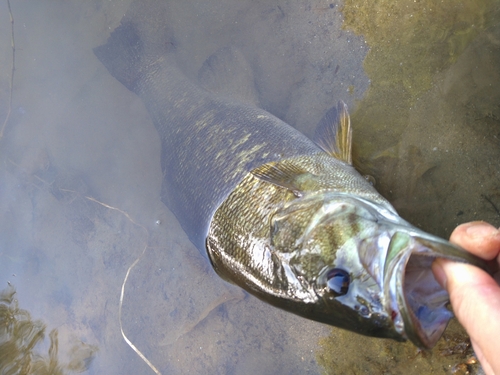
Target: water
(80, 176)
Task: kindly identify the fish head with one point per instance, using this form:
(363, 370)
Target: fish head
(354, 263)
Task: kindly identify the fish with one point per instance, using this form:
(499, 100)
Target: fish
(286, 218)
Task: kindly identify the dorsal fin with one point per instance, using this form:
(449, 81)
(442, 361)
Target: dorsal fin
(334, 134)
(228, 73)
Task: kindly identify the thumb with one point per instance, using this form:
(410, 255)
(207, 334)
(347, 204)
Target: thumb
(475, 297)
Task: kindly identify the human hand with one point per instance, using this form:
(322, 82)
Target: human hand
(475, 295)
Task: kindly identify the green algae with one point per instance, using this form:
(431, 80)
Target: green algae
(366, 355)
(410, 42)
(20, 336)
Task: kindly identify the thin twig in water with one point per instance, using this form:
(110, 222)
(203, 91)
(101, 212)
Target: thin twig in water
(134, 348)
(492, 204)
(9, 110)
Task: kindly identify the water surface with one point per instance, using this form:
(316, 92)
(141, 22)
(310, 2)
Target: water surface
(80, 175)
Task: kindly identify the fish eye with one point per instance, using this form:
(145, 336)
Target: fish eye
(337, 281)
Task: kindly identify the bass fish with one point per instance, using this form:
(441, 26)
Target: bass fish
(287, 219)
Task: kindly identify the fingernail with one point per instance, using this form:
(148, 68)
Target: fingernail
(439, 274)
(481, 229)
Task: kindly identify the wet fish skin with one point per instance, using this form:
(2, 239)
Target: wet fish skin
(280, 240)
(208, 143)
(281, 249)
(280, 216)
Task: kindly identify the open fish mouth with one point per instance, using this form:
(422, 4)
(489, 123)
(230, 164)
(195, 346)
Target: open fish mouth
(414, 299)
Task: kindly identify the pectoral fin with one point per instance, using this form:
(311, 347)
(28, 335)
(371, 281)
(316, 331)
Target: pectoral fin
(286, 175)
(334, 133)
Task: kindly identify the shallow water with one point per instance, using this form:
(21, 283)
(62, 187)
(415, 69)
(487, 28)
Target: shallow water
(80, 176)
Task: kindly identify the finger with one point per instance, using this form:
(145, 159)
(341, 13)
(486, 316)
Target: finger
(485, 363)
(478, 237)
(475, 298)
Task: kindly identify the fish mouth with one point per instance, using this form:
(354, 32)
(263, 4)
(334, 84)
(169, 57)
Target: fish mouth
(414, 299)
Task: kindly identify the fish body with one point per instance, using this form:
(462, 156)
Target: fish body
(287, 219)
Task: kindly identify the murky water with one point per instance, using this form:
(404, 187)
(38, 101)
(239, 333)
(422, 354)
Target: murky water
(80, 177)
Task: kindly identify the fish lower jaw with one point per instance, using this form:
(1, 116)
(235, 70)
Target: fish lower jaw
(417, 305)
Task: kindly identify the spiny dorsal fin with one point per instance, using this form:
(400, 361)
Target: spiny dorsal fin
(334, 134)
(286, 175)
